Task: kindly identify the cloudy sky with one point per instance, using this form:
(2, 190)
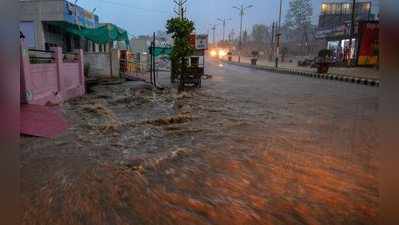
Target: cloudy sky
(146, 16)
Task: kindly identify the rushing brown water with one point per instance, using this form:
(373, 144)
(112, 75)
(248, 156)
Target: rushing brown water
(251, 147)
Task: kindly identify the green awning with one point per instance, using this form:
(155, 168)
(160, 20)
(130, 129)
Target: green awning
(102, 34)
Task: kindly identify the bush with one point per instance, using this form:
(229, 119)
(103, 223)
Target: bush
(324, 53)
(255, 54)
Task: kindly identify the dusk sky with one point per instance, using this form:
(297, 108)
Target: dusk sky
(146, 16)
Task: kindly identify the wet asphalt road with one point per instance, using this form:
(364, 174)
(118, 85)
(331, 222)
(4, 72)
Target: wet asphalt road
(250, 147)
(284, 149)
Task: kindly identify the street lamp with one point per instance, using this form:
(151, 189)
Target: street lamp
(213, 33)
(352, 31)
(242, 10)
(278, 34)
(224, 26)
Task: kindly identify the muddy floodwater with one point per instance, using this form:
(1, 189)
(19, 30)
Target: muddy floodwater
(251, 147)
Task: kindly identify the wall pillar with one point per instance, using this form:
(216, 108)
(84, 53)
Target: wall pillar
(80, 55)
(115, 58)
(26, 93)
(59, 60)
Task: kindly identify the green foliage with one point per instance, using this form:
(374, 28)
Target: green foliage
(180, 30)
(259, 33)
(298, 23)
(299, 14)
(324, 53)
(255, 54)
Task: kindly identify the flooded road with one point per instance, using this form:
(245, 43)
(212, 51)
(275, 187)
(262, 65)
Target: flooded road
(250, 147)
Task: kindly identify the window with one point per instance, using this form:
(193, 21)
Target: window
(346, 8)
(324, 8)
(194, 61)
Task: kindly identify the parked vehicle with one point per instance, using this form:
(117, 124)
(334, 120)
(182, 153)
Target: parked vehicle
(306, 62)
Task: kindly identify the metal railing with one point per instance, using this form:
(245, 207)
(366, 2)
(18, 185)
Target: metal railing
(37, 56)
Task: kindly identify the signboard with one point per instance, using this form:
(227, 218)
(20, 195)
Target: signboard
(368, 46)
(338, 31)
(77, 15)
(160, 51)
(199, 42)
(191, 40)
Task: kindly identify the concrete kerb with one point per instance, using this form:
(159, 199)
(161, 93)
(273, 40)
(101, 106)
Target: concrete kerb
(337, 77)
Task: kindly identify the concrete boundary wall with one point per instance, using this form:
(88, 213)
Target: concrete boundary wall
(100, 63)
(51, 83)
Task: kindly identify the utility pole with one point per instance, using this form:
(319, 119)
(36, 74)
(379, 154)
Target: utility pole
(278, 34)
(242, 10)
(272, 42)
(224, 21)
(213, 34)
(180, 11)
(352, 31)
(231, 35)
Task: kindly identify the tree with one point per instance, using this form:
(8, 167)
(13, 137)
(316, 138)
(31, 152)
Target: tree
(259, 33)
(180, 29)
(298, 20)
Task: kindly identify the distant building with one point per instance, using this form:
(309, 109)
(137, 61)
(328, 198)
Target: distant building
(141, 44)
(44, 24)
(335, 23)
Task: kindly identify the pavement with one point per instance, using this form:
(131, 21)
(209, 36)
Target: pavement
(250, 147)
(356, 72)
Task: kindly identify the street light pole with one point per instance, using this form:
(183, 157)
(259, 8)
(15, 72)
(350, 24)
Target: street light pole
(241, 9)
(224, 27)
(214, 34)
(352, 31)
(278, 34)
(213, 28)
(272, 47)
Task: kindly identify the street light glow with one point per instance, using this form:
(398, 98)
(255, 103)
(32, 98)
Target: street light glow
(213, 53)
(222, 53)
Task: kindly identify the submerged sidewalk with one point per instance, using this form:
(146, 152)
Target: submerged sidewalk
(356, 72)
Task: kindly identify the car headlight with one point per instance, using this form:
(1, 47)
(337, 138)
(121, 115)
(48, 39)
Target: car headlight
(222, 53)
(213, 53)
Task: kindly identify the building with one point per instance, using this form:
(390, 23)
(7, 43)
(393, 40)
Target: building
(40, 23)
(335, 24)
(141, 44)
